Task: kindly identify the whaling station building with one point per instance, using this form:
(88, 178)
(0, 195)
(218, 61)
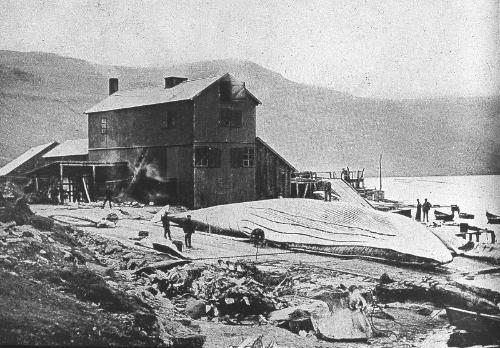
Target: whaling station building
(190, 142)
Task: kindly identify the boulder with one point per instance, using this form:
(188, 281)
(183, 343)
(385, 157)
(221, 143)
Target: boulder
(110, 249)
(316, 309)
(345, 325)
(195, 308)
(28, 234)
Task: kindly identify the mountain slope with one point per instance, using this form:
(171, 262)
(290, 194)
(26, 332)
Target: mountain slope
(43, 96)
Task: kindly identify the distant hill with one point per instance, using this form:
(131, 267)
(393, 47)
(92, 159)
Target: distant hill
(43, 96)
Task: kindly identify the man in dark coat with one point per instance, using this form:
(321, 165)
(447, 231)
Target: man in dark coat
(188, 228)
(109, 197)
(166, 225)
(425, 208)
(418, 214)
(328, 191)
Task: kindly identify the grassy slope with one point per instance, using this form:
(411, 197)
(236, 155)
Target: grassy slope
(313, 127)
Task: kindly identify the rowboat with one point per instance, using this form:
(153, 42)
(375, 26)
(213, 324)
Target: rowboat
(443, 216)
(404, 212)
(474, 321)
(333, 228)
(492, 218)
(465, 216)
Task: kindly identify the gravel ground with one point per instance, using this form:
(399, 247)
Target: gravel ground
(410, 329)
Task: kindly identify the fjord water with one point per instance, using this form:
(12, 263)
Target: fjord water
(474, 194)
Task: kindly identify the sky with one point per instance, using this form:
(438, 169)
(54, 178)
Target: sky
(371, 48)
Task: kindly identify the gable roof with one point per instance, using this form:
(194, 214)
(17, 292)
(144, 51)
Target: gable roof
(74, 147)
(187, 90)
(23, 158)
(266, 145)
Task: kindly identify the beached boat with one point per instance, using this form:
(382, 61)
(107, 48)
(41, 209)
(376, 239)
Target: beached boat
(443, 216)
(404, 212)
(335, 228)
(474, 321)
(465, 216)
(492, 218)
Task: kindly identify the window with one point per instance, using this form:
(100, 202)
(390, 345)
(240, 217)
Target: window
(248, 157)
(242, 157)
(205, 156)
(170, 120)
(230, 118)
(104, 125)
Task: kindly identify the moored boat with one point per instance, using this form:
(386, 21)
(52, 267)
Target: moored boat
(492, 218)
(443, 216)
(465, 216)
(474, 322)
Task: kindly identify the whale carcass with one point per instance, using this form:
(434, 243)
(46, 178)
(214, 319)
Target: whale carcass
(337, 228)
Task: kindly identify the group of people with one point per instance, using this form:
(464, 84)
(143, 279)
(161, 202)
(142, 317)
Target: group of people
(423, 208)
(187, 227)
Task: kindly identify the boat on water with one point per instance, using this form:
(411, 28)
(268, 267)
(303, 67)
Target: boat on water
(443, 216)
(465, 216)
(474, 322)
(492, 218)
(333, 228)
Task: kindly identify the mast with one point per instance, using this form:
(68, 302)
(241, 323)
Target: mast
(380, 171)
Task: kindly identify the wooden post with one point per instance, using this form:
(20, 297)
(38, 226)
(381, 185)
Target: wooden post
(93, 183)
(61, 193)
(477, 237)
(492, 235)
(36, 183)
(85, 189)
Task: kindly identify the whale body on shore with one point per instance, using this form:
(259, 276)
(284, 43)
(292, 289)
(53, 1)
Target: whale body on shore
(336, 228)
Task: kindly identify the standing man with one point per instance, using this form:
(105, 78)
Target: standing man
(166, 226)
(426, 207)
(109, 196)
(188, 231)
(419, 210)
(328, 191)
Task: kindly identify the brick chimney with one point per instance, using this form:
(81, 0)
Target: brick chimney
(172, 81)
(113, 85)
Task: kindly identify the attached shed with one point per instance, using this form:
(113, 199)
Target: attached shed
(30, 159)
(273, 172)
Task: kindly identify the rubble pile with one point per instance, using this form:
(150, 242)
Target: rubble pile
(232, 290)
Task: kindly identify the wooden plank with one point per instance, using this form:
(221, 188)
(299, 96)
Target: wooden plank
(85, 189)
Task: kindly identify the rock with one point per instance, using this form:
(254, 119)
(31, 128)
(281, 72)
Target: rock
(317, 309)
(385, 279)
(135, 263)
(105, 224)
(112, 217)
(345, 325)
(195, 308)
(143, 234)
(110, 249)
(28, 234)
(50, 240)
(128, 256)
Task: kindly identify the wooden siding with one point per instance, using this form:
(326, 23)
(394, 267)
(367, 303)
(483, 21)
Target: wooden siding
(272, 174)
(165, 164)
(141, 126)
(213, 186)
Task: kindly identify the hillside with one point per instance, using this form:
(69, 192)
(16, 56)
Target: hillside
(43, 96)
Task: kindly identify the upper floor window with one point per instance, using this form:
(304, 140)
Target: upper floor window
(104, 125)
(243, 157)
(169, 120)
(205, 156)
(230, 117)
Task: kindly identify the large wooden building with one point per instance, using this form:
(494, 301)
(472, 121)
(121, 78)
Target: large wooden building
(192, 142)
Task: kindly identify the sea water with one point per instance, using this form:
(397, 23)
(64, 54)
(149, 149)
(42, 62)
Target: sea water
(474, 194)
